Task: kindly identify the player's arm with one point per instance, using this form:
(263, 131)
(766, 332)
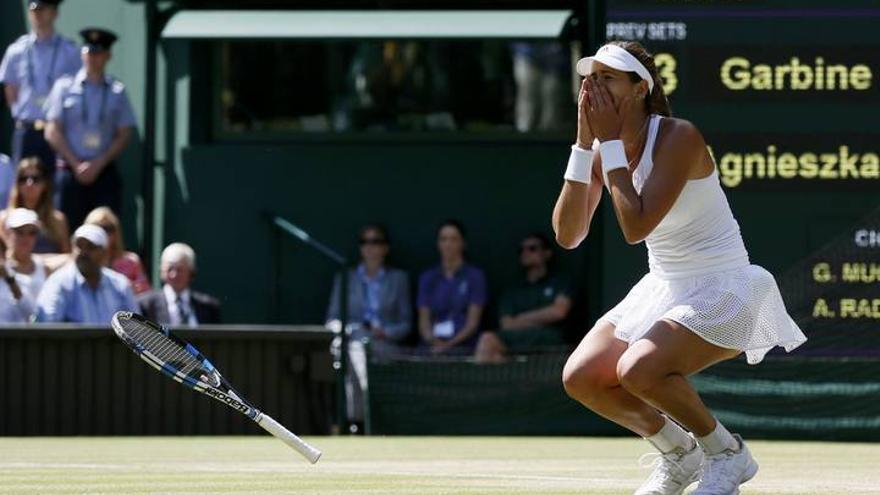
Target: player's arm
(582, 189)
(679, 151)
(639, 214)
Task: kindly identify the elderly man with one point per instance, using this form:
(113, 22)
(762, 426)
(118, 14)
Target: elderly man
(83, 290)
(176, 304)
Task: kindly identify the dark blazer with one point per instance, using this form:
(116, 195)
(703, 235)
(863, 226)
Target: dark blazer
(154, 307)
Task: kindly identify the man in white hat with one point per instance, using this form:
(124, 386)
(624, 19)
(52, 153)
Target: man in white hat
(84, 290)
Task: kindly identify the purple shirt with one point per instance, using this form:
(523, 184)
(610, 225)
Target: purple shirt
(449, 298)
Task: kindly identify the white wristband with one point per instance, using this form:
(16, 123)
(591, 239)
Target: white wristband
(613, 156)
(580, 165)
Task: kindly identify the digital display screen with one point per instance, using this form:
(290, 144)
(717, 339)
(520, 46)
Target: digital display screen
(787, 95)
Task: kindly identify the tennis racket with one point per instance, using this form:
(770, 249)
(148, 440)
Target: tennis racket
(187, 366)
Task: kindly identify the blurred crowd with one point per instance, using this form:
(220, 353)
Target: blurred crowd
(72, 121)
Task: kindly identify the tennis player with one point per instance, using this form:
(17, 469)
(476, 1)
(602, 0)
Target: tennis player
(701, 303)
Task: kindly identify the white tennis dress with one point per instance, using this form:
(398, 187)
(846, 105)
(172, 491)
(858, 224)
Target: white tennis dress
(700, 275)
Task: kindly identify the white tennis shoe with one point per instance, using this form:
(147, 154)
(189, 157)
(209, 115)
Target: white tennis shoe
(673, 472)
(723, 473)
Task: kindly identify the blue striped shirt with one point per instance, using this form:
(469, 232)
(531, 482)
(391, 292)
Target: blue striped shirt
(67, 297)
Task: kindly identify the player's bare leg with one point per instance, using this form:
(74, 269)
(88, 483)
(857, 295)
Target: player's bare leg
(590, 376)
(655, 369)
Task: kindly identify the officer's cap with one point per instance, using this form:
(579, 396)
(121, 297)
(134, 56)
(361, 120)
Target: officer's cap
(36, 4)
(97, 39)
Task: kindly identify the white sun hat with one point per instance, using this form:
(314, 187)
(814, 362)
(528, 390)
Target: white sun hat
(617, 58)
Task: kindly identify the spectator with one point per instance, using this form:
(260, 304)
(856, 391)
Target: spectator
(378, 309)
(378, 296)
(84, 290)
(124, 262)
(89, 124)
(7, 178)
(28, 71)
(531, 312)
(16, 301)
(451, 296)
(176, 304)
(32, 191)
(24, 227)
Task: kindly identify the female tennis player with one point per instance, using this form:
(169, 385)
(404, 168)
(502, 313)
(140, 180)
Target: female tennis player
(701, 303)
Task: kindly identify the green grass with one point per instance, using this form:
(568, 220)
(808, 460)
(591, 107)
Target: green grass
(393, 465)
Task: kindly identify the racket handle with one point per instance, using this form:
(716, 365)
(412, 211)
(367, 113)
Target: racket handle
(283, 434)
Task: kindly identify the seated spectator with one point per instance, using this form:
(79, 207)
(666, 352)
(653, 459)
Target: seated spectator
(32, 191)
(84, 290)
(24, 227)
(177, 304)
(120, 260)
(7, 178)
(451, 296)
(532, 312)
(16, 301)
(378, 296)
(378, 308)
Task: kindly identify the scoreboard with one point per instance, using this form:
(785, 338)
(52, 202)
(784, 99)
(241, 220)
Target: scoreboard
(787, 94)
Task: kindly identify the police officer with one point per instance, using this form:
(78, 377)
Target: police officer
(89, 124)
(28, 71)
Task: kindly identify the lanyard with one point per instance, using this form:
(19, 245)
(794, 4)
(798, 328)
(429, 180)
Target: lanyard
(85, 104)
(31, 75)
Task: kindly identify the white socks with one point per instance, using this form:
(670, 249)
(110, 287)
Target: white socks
(672, 437)
(718, 441)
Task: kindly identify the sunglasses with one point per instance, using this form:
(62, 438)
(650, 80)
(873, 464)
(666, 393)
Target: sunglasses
(531, 248)
(372, 242)
(30, 179)
(108, 228)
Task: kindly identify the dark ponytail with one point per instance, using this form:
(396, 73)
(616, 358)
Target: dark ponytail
(656, 101)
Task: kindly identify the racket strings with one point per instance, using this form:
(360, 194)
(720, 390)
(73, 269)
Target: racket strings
(165, 349)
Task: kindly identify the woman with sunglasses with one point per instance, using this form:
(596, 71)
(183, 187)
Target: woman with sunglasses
(379, 309)
(118, 259)
(23, 227)
(702, 301)
(34, 192)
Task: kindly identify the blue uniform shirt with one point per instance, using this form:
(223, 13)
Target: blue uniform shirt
(7, 179)
(33, 66)
(67, 297)
(89, 113)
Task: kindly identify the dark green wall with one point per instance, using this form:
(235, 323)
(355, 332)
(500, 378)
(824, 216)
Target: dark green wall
(500, 192)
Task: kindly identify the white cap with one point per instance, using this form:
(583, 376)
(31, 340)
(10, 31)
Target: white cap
(19, 217)
(93, 234)
(617, 58)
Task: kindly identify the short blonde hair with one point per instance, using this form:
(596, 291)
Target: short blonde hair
(179, 252)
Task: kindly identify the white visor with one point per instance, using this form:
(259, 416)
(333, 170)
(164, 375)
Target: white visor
(617, 58)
